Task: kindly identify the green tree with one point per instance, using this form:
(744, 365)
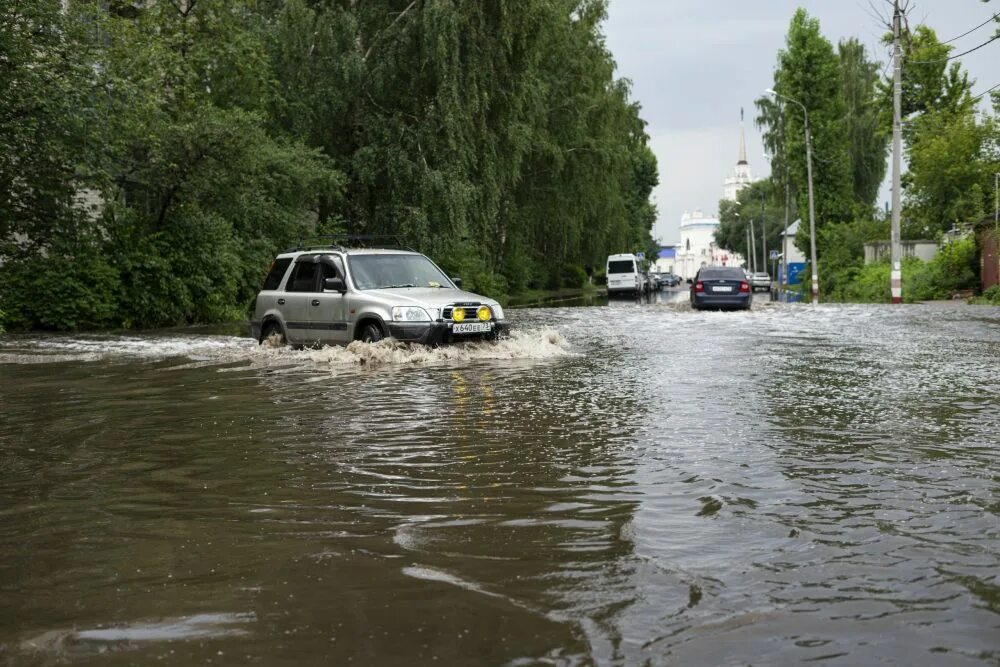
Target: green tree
(951, 153)
(494, 136)
(763, 202)
(867, 139)
(809, 71)
(47, 114)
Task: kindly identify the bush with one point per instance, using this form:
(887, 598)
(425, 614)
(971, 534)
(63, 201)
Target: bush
(952, 269)
(990, 297)
(61, 289)
(573, 276)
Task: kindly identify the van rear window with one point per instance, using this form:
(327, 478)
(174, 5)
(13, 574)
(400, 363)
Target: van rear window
(621, 266)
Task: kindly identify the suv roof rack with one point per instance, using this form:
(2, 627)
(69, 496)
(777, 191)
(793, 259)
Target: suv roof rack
(344, 241)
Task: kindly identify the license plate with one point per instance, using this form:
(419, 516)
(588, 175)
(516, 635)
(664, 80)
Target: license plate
(722, 288)
(472, 327)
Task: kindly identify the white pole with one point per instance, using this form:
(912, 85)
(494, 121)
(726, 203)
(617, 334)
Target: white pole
(896, 271)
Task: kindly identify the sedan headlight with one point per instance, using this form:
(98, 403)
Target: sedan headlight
(409, 314)
(497, 312)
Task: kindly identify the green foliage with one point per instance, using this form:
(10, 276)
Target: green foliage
(953, 269)
(990, 297)
(951, 173)
(68, 288)
(762, 202)
(864, 284)
(493, 136)
(46, 112)
(867, 137)
(809, 71)
(573, 275)
(952, 154)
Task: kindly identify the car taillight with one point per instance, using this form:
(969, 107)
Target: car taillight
(699, 286)
(744, 286)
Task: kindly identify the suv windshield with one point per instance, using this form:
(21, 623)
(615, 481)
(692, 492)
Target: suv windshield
(391, 270)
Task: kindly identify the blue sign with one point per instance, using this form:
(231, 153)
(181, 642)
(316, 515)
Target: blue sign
(773, 254)
(640, 255)
(794, 269)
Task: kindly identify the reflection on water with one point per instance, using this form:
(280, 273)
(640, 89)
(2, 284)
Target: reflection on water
(616, 484)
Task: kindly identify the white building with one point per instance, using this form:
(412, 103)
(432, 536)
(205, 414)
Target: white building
(698, 248)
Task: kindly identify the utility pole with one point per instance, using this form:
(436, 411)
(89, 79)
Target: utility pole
(812, 218)
(749, 251)
(763, 234)
(896, 274)
(784, 237)
(753, 247)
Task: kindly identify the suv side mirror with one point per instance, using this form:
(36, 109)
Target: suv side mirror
(457, 281)
(334, 285)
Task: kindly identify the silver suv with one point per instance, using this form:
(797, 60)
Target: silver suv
(334, 295)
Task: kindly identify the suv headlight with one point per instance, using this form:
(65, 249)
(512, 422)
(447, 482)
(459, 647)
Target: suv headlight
(409, 314)
(497, 312)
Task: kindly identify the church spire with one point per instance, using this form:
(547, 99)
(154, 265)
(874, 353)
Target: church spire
(740, 176)
(743, 142)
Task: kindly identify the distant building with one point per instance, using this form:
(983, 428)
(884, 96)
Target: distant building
(881, 251)
(740, 177)
(698, 247)
(666, 259)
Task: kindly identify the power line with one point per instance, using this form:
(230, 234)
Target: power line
(986, 92)
(957, 55)
(992, 18)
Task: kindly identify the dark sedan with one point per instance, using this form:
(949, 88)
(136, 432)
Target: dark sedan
(670, 280)
(720, 287)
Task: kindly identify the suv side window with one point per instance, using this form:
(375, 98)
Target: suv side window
(332, 267)
(276, 273)
(304, 277)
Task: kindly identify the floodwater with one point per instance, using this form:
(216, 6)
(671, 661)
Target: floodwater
(623, 484)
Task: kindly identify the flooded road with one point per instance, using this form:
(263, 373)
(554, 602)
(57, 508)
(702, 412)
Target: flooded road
(623, 484)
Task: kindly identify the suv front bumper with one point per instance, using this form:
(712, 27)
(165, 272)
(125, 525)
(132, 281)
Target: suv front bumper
(439, 333)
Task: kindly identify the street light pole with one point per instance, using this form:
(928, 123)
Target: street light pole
(812, 209)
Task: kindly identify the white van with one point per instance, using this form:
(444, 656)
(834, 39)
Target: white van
(623, 274)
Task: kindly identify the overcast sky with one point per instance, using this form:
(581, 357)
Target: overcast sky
(693, 64)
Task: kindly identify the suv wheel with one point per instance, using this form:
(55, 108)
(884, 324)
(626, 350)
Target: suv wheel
(272, 335)
(372, 333)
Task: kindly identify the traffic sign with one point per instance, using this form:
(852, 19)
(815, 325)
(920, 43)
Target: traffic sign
(773, 254)
(640, 255)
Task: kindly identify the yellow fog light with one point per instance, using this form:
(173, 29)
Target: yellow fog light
(483, 313)
(458, 314)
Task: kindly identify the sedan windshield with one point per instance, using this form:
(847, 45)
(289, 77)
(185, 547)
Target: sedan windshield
(391, 270)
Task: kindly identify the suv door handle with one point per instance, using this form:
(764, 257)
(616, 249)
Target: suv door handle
(281, 302)
(315, 302)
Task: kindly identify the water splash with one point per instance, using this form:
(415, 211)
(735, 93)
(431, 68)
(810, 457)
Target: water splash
(81, 642)
(532, 344)
(543, 343)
